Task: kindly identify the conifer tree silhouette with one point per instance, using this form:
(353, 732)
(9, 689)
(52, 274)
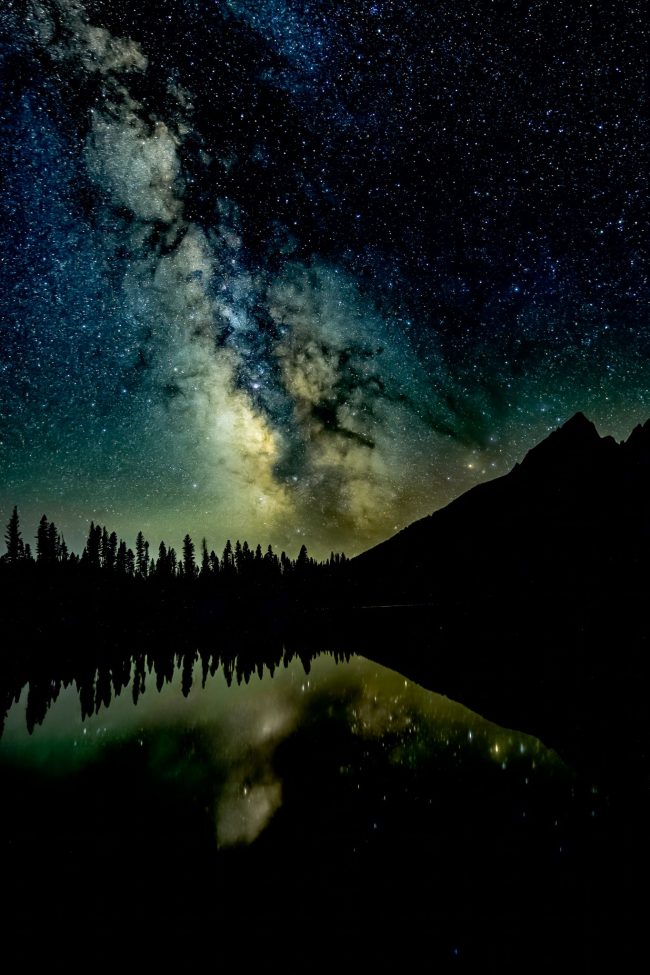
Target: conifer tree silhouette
(205, 560)
(189, 565)
(14, 542)
(93, 545)
(42, 540)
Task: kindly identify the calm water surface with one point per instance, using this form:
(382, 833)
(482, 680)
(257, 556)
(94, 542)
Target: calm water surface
(347, 798)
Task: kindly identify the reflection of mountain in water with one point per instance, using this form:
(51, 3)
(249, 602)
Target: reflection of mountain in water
(345, 806)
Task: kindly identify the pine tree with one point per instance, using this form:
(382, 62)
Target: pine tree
(141, 555)
(302, 562)
(121, 559)
(111, 551)
(205, 560)
(162, 565)
(15, 547)
(42, 540)
(62, 552)
(227, 563)
(271, 563)
(214, 563)
(247, 556)
(189, 565)
(93, 545)
(52, 542)
(104, 548)
(239, 559)
(173, 562)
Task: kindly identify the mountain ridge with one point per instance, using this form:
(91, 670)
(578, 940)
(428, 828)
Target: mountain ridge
(571, 485)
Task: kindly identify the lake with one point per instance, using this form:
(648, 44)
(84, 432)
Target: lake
(334, 810)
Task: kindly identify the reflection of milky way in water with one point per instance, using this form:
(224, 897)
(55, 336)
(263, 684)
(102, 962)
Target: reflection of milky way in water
(396, 819)
(237, 731)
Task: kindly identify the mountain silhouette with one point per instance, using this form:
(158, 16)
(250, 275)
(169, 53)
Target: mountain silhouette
(574, 513)
(526, 597)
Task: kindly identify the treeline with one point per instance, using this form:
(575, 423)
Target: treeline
(71, 618)
(106, 553)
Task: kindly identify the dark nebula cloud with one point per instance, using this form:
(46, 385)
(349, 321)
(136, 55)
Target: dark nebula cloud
(304, 271)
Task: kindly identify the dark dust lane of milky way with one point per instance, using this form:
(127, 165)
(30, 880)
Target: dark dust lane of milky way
(304, 271)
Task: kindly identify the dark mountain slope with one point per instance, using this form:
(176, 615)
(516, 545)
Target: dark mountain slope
(527, 597)
(574, 513)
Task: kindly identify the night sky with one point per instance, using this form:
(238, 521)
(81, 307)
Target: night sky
(305, 271)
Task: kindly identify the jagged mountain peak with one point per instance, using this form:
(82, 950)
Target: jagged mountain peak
(639, 439)
(577, 436)
(574, 477)
(579, 426)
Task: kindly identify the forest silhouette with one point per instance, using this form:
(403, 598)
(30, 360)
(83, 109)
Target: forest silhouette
(75, 618)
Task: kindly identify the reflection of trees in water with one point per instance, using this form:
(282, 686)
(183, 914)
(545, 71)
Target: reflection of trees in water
(68, 618)
(102, 672)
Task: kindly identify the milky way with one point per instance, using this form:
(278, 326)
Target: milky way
(305, 271)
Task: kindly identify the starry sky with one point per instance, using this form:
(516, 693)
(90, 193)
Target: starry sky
(305, 271)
